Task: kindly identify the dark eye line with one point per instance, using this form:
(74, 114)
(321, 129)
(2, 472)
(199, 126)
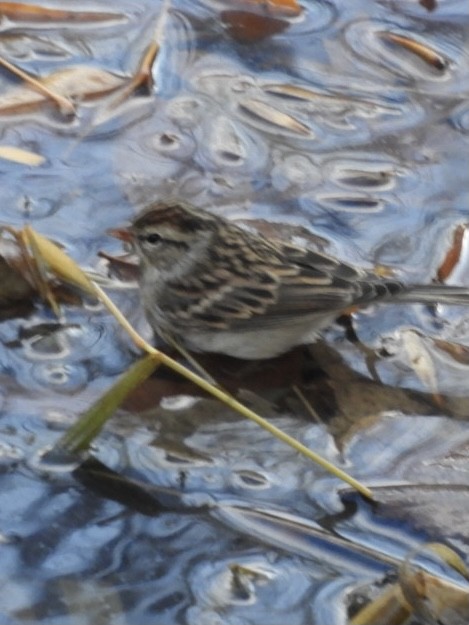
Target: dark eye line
(149, 238)
(154, 238)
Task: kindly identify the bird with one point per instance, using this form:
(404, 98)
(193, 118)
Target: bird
(214, 286)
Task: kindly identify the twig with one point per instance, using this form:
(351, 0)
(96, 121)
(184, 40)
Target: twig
(65, 106)
(299, 393)
(185, 354)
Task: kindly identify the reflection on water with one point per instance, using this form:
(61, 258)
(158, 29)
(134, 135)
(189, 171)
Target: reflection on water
(327, 125)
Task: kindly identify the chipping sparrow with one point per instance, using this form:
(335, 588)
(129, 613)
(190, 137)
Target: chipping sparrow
(215, 287)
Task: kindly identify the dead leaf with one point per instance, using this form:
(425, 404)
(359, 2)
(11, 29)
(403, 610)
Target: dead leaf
(80, 83)
(83, 82)
(143, 78)
(295, 91)
(64, 105)
(424, 52)
(271, 115)
(430, 5)
(433, 598)
(459, 353)
(18, 155)
(453, 255)
(19, 12)
(288, 90)
(247, 27)
(61, 264)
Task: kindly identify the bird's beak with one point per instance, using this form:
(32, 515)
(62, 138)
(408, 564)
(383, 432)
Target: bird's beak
(124, 234)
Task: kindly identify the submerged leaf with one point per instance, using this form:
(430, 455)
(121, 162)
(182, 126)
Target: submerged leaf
(64, 105)
(430, 5)
(141, 497)
(19, 155)
(273, 116)
(84, 82)
(453, 255)
(247, 27)
(77, 83)
(143, 78)
(297, 92)
(424, 52)
(294, 91)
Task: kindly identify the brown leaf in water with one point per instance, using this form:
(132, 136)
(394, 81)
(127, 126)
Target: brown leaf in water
(260, 20)
(424, 52)
(143, 78)
(453, 255)
(350, 403)
(19, 12)
(459, 353)
(247, 27)
(430, 5)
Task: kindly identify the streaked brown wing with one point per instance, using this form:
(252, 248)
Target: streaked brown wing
(281, 285)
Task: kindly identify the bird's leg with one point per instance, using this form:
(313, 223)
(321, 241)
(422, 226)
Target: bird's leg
(174, 343)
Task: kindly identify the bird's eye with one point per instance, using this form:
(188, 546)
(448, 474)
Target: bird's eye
(150, 238)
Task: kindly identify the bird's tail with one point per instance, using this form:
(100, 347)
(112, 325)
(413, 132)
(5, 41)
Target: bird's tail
(434, 294)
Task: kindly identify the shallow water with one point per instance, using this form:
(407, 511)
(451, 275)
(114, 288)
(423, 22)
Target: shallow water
(324, 126)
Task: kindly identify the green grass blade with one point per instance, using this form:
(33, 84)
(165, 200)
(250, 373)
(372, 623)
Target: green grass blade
(80, 435)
